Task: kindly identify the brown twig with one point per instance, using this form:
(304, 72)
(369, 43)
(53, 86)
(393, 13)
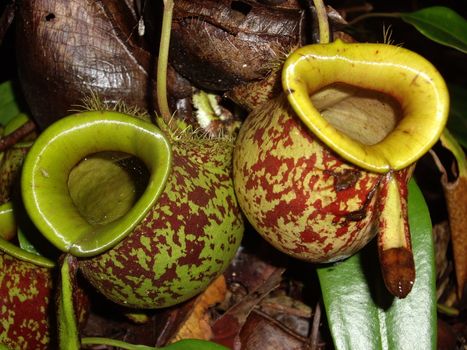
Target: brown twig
(315, 327)
(13, 138)
(279, 324)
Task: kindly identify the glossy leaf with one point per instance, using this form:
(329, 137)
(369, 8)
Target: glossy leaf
(363, 315)
(25, 243)
(9, 107)
(440, 24)
(15, 122)
(449, 141)
(194, 344)
(457, 122)
(185, 344)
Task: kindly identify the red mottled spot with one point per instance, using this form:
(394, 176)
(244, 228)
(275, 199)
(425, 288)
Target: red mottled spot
(342, 230)
(309, 236)
(299, 249)
(309, 162)
(16, 280)
(221, 213)
(168, 276)
(196, 224)
(258, 136)
(287, 211)
(328, 248)
(189, 167)
(287, 125)
(200, 196)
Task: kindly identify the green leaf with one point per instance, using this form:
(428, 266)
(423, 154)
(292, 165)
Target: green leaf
(185, 344)
(25, 244)
(440, 24)
(457, 121)
(15, 122)
(194, 344)
(9, 106)
(363, 315)
(449, 142)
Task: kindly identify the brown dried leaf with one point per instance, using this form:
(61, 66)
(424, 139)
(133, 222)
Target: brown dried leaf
(444, 269)
(219, 44)
(70, 49)
(289, 312)
(441, 237)
(263, 332)
(169, 320)
(249, 270)
(253, 94)
(227, 328)
(446, 338)
(285, 4)
(197, 325)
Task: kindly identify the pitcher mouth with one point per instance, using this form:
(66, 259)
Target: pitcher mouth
(67, 206)
(406, 88)
(105, 185)
(364, 115)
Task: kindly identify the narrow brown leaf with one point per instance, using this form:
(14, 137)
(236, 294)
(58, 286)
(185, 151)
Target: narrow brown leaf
(456, 201)
(455, 193)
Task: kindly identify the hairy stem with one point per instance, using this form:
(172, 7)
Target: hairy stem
(163, 61)
(323, 23)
